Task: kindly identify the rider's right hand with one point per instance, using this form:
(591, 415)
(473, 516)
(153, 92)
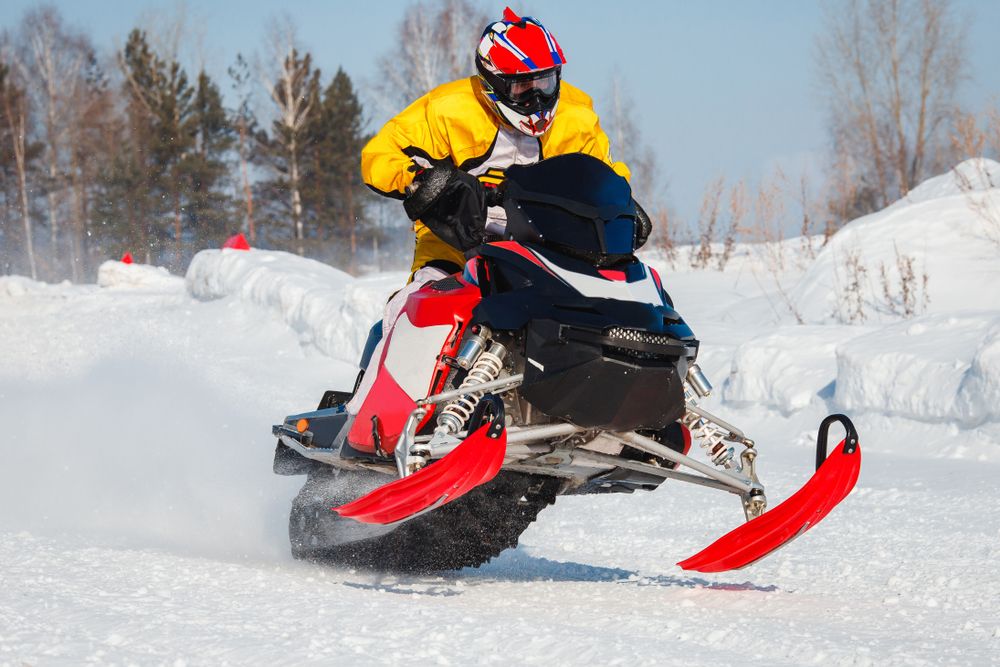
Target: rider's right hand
(451, 202)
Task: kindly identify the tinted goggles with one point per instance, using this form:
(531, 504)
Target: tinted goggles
(522, 88)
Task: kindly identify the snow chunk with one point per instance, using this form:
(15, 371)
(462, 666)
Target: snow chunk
(936, 368)
(18, 286)
(15, 287)
(115, 274)
(788, 369)
(328, 308)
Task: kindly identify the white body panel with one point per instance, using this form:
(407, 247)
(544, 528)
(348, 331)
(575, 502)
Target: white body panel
(641, 291)
(412, 354)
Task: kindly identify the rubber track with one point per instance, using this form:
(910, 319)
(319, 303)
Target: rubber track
(467, 532)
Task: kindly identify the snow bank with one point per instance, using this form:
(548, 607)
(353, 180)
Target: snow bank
(787, 370)
(118, 275)
(935, 225)
(975, 175)
(15, 287)
(328, 308)
(936, 368)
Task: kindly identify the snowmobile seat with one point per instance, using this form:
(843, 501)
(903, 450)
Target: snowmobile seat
(374, 336)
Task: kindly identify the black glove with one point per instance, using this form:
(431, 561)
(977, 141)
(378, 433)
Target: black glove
(451, 202)
(643, 226)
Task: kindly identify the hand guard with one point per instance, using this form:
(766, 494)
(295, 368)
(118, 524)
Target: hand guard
(451, 202)
(643, 226)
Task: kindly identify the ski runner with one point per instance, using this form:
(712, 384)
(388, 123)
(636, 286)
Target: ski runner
(446, 153)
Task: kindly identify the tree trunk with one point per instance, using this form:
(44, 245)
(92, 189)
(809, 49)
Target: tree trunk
(353, 222)
(296, 196)
(178, 230)
(76, 251)
(17, 138)
(247, 192)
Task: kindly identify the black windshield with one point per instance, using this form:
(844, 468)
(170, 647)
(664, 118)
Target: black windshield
(573, 203)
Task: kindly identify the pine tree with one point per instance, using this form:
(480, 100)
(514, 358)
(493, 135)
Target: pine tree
(204, 169)
(334, 188)
(245, 124)
(162, 133)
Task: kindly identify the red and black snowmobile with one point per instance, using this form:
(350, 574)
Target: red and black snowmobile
(554, 365)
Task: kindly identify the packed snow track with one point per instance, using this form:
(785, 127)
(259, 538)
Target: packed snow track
(140, 522)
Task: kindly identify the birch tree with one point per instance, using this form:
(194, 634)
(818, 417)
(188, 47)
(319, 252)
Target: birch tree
(14, 108)
(435, 43)
(293, 85)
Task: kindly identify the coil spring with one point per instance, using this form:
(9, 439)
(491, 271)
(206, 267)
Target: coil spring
(486, 369)
(709, 435)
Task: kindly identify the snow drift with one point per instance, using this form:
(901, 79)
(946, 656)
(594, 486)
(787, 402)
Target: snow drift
(328, 308)
(942, 366)
(937, 225)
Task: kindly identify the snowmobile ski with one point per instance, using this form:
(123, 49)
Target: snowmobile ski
(834, 478)
(475, 461)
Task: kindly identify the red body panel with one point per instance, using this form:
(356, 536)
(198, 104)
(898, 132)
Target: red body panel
(391, 404)
(428, 307)
(425, 307)
(611, 274)
(518, 249)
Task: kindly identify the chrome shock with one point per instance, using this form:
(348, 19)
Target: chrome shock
(709, 435)
(486, 368)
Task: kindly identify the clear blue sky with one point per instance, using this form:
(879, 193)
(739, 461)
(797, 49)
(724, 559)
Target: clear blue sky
(720, 86)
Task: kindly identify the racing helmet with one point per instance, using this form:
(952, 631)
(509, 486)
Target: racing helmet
(519, 64)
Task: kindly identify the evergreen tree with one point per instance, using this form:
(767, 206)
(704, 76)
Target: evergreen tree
(204, 169)
(162, 132)
(334, 191)
(245, 126)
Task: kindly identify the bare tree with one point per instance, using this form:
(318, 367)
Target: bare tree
(890, 70)
(435, 43)
(55, 59)
(627, 145)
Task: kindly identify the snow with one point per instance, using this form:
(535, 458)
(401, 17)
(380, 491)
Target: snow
(938, 227)
(327, 308)
(119, 275)
(787, 370)
(937, 368)
(140, 522)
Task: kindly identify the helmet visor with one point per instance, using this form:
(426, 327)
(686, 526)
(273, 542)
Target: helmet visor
(522, 89)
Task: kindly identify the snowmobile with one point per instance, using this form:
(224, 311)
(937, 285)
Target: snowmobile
(554, 364)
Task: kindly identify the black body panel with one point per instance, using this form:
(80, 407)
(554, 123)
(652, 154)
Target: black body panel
(595, 385)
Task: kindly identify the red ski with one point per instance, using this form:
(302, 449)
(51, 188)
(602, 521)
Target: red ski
(834, 478)
(475, 461)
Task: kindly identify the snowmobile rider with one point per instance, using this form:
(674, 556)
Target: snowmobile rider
(445, 154)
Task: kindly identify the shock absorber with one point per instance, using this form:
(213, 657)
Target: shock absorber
(486, 368)
(709, 435)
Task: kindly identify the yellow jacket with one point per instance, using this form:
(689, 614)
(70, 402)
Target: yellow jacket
(453, 122)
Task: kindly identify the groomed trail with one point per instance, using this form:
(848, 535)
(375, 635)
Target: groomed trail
(140, 522)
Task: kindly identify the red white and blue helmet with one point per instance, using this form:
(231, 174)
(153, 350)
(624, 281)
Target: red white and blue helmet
(520, 64)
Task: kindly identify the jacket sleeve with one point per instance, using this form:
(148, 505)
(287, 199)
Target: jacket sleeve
(598, 145)
(387, 160)
(577, 129)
